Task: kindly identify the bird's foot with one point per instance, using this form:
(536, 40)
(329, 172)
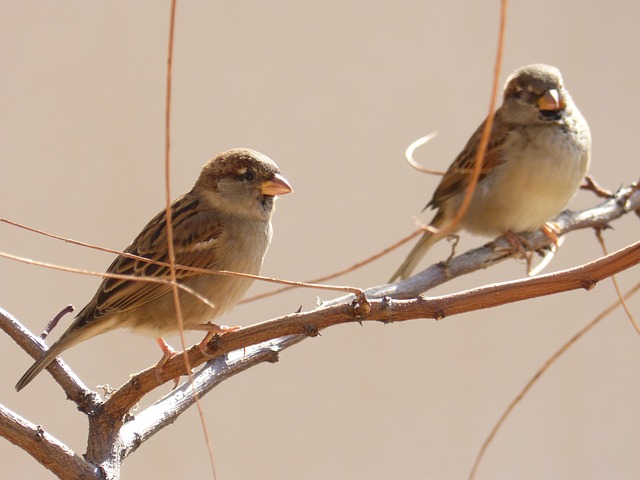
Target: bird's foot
(550, 230)
(213, 331)
(519, 244)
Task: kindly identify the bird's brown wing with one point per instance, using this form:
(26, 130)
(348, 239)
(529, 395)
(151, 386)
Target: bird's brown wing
(196, 235)
(457, 178)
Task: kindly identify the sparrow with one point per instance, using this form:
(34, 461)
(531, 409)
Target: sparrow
(222, 223)
(538, 152)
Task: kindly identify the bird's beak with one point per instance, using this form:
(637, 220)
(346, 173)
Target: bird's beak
(277, 186)
(551, 101)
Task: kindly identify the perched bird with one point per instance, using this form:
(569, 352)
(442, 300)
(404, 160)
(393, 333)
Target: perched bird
(537, 155)
(223, 223)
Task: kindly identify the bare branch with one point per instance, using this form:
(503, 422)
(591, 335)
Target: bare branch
(76, 391)
(541, 371)
(166, 410)
(385, 309)
(115, 433)
(46, 449)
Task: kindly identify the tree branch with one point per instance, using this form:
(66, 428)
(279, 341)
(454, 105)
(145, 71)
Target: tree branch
(114, 433)
(166, 410)
(46, 449)
(385, 309)
(76, 391)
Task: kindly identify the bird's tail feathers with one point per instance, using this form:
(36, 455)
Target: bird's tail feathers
(64, 342)
(418, 251)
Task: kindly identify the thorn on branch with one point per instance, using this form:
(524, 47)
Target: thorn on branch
(360, 307)
(275, 355)
(385, 305)
(137, 441)
(311, 331)
(135, 381)
(209, 344)
(601, 228)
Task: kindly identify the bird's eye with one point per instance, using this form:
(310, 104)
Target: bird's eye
(248, 176)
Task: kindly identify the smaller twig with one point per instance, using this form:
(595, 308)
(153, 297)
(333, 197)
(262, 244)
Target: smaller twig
(450, 227)
(453, 240)
(290, 283)
(136, 278)
(76, 242)
(296, 284)
(408, 154)
(344, 271)
(616, 286)
(169, 224)
(591, 185)
(181, 286)
(550, 361)
(54, 321)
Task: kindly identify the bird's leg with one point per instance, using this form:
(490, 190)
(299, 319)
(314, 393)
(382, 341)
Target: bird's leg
(212, 330)
(167, 353)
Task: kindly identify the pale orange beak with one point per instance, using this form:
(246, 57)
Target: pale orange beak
(277, 186)
(551, 101)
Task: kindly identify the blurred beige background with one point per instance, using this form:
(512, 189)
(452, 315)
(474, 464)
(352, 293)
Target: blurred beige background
(333, 92)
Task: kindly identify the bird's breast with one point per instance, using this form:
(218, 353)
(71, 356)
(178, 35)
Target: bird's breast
(538, 176)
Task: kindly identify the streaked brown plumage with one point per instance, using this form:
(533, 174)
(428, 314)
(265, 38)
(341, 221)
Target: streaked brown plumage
(538, 152)
(223, 223)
